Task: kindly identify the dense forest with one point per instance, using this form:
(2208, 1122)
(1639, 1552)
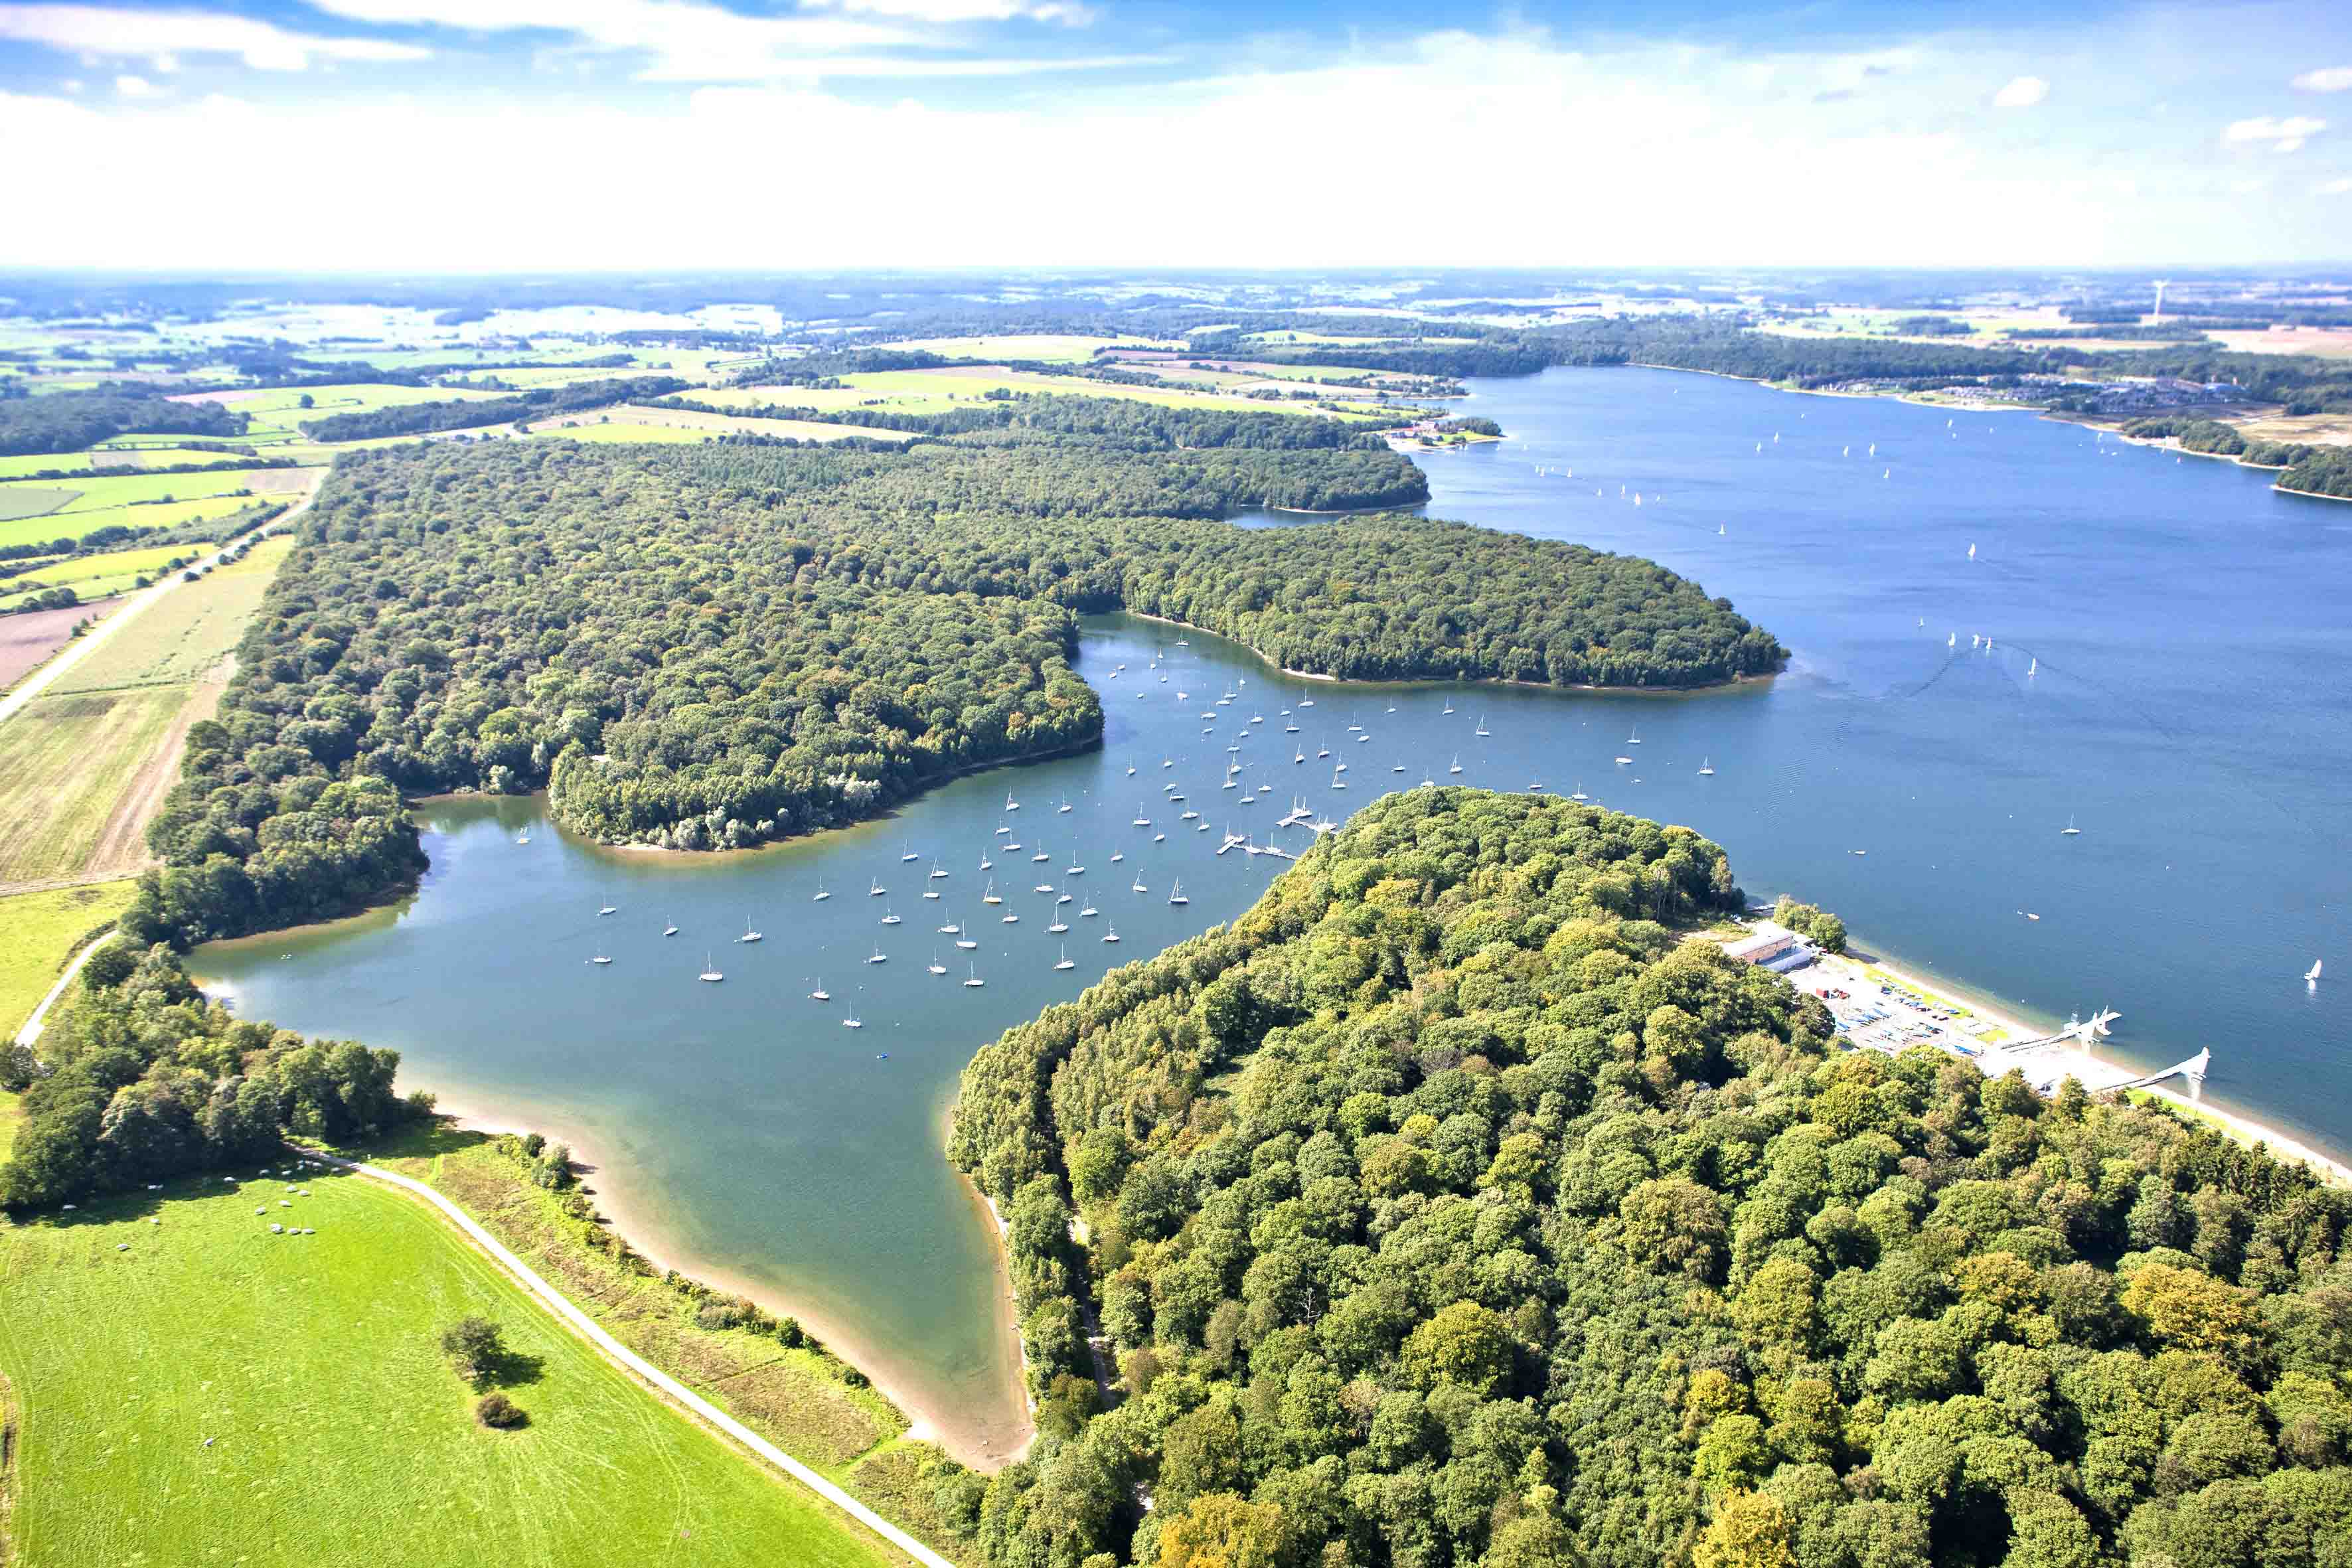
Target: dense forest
(140, 1080)
(2311, 467)
(73, 421)
(471, 414)
(712, 645)
(1451, 1207)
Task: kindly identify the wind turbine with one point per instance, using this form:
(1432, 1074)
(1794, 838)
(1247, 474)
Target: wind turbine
(2159, 301)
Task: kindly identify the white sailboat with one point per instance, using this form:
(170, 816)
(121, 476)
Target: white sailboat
(670, 931)
(600, 958)
(2311, 975)
(889, 916)
(710, 971)
(879, 957)
(1579, 797)
(1068, 962)
(820, 994)
(1481, 731)
(936, 966)
(1176, 894)
(975, 983)
(1112, 934)
(1457, 764)
(989, 897)
(1706, 767)
(936, 872)
(2069, 830)
(853, 1021)
(749, 934)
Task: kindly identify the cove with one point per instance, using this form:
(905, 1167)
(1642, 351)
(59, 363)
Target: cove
(2186, 709)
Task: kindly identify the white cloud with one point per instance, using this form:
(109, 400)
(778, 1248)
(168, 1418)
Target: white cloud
(135, 87)
(2285, 134)
(2021, 92)
(691, 41)
(1716, 155)
(101, 32)
(2331, 78)
(2336, 188)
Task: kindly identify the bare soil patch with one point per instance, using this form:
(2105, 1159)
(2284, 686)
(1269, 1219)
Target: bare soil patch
(28, 641)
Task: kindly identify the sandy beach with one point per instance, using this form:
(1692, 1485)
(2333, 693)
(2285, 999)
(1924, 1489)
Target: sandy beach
(1918, 1012)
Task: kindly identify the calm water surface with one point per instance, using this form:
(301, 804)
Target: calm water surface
(2189, 713)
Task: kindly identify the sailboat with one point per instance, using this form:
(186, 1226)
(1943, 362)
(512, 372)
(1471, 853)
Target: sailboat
(1481, 731)
(820, 994)
(1952, 641)
(976, 982)
(989, 897)
(1449, 707)
(1064, 807)
(936, 966)
(1634, 736)
(936, 872)
(1176, 894)
(853, 1021)
(1972, 553)
(2033, 666)
(876, 890)
(749, 934)
(879, 957)
(600, 958)
(907, 859)
(1010, 803)
(1137, 884)
(524, 836)
(1337, 782)
(670, 931)
(889, 916)
(2069, 830)
(710, 971)
(1111, 935)
(1068, 962)
(608, 909)
(1580, 796)
(1706, 767)
(2311, 975)
(1457, 764)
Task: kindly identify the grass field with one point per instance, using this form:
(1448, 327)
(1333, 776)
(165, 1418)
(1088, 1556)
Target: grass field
(94, 576)
(100, 492)
(69, 763)
(935, 391)
(634, 422)
(1051, 348)
(37, 499)
(187, 632)
(219, 1395)
(792, 1397)
(74, 524)
(42, 930)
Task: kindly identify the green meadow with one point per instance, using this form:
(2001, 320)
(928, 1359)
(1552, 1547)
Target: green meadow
(192, 1389)
(44, 929)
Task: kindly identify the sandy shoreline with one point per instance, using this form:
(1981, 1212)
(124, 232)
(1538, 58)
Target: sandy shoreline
(2050, 1062)
(980, 1445)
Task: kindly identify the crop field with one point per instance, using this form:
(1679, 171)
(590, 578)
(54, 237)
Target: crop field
(98, 576)
(184, 634)
(32, 500)
(43, 929)
(194, 1389)
(101, 492)
(159, 514)
(936, 391)
(67, 764)
(1053, 348)
(632, 422)
(28, 641)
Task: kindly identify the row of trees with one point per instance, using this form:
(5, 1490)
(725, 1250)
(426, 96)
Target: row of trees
(1450, 1207)
(140, 1080)
(469, 413)
(710, 647)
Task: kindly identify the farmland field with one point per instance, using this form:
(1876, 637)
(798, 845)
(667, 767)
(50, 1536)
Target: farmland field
(935, 391)
(187, 632)
(66, 765)
(92, 577)
(218, 1393)
(31, 500)
(1067, 348)
(43, 928)
(162, 514)
(28, 641)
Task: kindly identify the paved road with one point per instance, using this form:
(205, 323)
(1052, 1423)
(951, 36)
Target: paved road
(555, 1301)
(31, 1033)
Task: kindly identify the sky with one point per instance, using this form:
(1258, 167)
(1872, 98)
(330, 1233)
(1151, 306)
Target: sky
(487, 135)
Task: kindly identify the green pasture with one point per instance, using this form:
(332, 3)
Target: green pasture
(44, 929)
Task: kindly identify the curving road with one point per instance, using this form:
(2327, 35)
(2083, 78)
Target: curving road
(555, 1301)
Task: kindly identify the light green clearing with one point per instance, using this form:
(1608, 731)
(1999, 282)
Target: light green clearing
(217, 1393)
(101, 492)
(68, 761)
(103, 456)
(166, 514)
(935, 391)
(95, 576)
(43, 929)
(186, 633)
(30, 501)
(1051, 348)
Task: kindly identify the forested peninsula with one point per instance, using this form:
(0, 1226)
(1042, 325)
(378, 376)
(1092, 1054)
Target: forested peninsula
(1453, 1207)
(710, 647)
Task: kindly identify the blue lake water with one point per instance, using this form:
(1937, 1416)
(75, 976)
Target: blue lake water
(2189, 713)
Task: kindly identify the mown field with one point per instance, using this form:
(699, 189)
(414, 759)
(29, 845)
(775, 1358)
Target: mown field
(936, 391)
(187, 632)
(43, 929)
(72, 524)
(219, 1395)
(1050, 348)
(68, 763)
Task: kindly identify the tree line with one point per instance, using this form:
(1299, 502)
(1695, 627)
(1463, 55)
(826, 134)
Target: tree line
(713, 646)
(1450, 1207)
(468, 414)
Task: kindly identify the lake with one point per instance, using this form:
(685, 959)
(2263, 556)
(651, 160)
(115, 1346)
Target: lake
(2165, 671)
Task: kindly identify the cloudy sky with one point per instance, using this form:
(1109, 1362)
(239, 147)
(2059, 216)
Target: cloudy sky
(469, 135)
